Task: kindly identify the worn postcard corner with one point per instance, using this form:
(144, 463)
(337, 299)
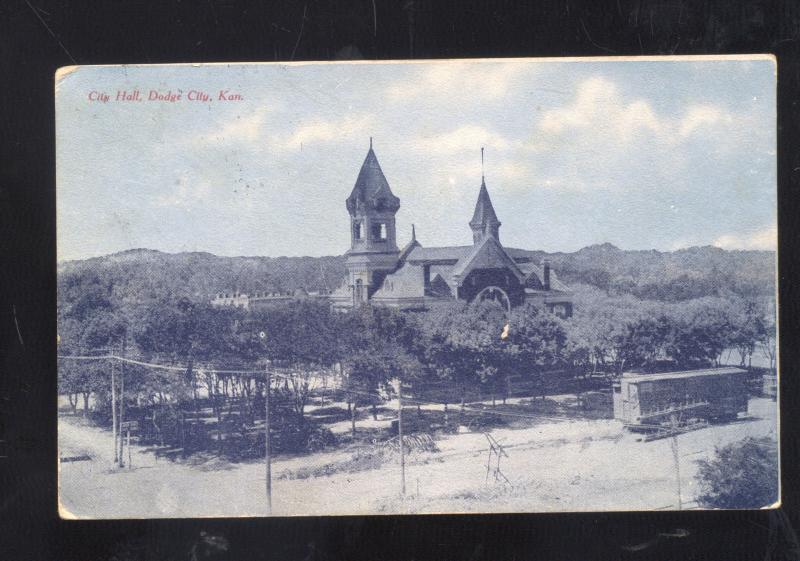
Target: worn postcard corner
(65, 71)
(63, 513)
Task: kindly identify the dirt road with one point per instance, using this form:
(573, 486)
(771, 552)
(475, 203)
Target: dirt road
(553, 466)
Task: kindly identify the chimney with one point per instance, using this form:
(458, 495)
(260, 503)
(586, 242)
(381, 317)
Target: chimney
(546, 279)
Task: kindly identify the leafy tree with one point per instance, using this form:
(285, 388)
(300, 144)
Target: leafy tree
(461, 343)
(741, 475)
(603, 327)
(536, 341)
(374, 346)
(300, 341)
(88, 323)
(766, 331)
(167, 332)
(702, 330)
(646, 340)
(746, 324)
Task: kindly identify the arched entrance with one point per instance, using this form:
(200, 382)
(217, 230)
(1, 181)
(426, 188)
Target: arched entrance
(495, 294)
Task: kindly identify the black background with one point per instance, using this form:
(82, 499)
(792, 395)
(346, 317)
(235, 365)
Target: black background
(38, 36)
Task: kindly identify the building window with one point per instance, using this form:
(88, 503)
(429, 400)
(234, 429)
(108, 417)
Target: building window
(378, 232)
(357, 230)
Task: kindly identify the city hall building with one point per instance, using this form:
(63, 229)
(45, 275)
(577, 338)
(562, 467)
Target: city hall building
(417, 277)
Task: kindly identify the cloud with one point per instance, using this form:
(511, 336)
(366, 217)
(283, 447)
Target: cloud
(466, 139)
(604, 139)
(601, 110)
(323, 131)
(239, 129)
(599, 107)
(766, 238)
(513, 170)
(702, 116)
(255, 128)
(450, 79)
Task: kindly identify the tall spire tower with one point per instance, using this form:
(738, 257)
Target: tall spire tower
(373, 249)
(484, 220)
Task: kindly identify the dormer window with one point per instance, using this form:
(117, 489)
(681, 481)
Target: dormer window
(378, 232)
(357, 230)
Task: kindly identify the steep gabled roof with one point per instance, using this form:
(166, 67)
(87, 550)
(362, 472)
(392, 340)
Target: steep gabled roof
(406, 282)
(371, 188)
(486, 254)
(484, 210)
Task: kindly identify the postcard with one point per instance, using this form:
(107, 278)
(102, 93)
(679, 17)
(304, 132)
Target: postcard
(410, 287)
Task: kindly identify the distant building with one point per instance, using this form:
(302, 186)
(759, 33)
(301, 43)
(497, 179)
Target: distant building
(416, 277)
(235, 299)
(256, 299)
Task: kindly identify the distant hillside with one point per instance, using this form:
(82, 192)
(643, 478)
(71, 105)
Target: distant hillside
(150, 274)
(667, 275)
(671, 276)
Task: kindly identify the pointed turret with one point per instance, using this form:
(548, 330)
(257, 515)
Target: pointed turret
(484, 220)
(371, 188)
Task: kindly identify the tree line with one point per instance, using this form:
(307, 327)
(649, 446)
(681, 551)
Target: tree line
(446, 354)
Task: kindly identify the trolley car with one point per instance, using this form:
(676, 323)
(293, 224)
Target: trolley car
(648, 401)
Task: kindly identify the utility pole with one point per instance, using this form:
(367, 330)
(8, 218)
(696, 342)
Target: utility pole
(400, 437)
(114, 409)
(267, 458)
(676, 459)
(121, 406)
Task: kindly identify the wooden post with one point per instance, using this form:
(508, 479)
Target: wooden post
(676, 459)
(400, 437)
(121, 406)
(114, 409)
(267, 458)
(128, 443)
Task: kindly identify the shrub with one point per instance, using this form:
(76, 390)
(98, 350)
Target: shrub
(742, 475)
(319, 438)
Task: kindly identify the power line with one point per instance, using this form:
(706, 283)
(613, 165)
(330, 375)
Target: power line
(159, 366)
(278, 375)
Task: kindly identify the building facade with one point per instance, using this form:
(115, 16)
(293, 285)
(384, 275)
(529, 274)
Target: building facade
(417, 277)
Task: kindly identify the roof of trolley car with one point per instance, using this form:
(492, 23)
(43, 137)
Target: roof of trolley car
(636, 377)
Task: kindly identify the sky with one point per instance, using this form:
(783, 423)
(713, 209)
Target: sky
(644, 154)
